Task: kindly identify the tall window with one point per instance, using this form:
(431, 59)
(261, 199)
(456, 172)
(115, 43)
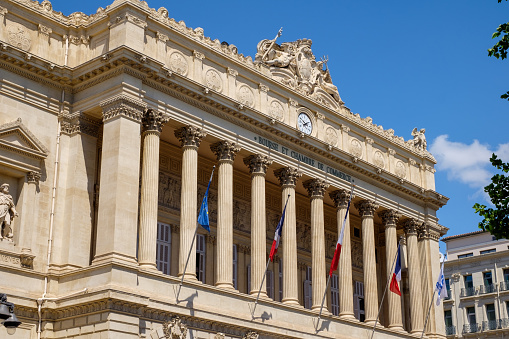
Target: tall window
(487, 278)
(334, 291)
(448, 318)
(358, 301)
(163, 247)
(471, 315)
(248, 278)
(200, 257)
(234, 272)
(270, 284)
(447, 284)
(280, 277)
(468, 281)
(308, 296)
(506, 274)
(490, 312)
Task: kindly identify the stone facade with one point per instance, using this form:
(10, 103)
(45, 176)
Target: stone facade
(110, 125)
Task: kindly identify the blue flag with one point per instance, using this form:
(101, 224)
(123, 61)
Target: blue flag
(203, 216)
(441, 288)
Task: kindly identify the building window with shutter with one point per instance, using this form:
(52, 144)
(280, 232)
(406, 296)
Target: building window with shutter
(334, 291)
(280, 277)
(308, 300)
(358, 301)
(200, 257)
(234, 272)
(163, 247)
(270, 284)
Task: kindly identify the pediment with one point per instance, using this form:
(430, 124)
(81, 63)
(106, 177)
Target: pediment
(16, 137)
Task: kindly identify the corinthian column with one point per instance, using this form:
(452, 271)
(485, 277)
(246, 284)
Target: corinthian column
(340, 198)
(389, 219)
(316, 189)
(258, 165)
(225, 152)
(288, 179)
(190, 138)
(367, 210)
(152, 125)
(414, 277)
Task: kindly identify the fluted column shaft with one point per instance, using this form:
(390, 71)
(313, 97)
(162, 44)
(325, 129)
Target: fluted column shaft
(152, 124)
(414, 277)
(340, 198)
(288, 179)
(316, 189)
(258, 165)
(190, 138)
(225, 152)
(367, 209)
(389, 218)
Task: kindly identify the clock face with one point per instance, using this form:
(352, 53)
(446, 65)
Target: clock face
(304, 123)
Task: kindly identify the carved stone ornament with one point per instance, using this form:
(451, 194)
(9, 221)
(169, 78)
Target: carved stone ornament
(366, 208)
(219, 335)
(7, 213)
(198, 55)
(225, 150)
(189, 136)
(288, 176)
(154, 120)
(340, 198)
(250, 335)
(245, 96)
(213, 80)
(276, 110)
(123, 105)
(3, 12)
(411, 226)
(389, 217)
(419, 140)
(45, 30)
(331, 136)
(178, 63)
(400, 169)
(33, 177)
(316, 187)
(161, 36)
(19, 36)
(174, 329)
(356, 147)
(293, 64)
(378, 159)
(78, 122)
(257, 163)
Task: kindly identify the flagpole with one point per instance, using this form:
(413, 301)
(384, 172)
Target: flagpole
(260, 289)
(323, 299)
(187, 261)
(429, 310)
(385, 291)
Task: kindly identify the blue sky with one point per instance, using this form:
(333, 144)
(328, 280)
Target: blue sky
(406, 64)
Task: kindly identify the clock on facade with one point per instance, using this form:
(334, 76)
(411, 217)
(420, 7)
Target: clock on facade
(304, 123)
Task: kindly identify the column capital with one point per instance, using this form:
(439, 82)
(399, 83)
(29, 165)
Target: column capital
(189, 136)
(366, 208)
(211, 239)
(340, 198)
(175, 228)
(423, 231)
(246, 249)
(287, 176)
(316, 187)
(225, 150)
(123, 105)
(411, 226)
(153, 120)
(33, 177)
(257, 163)
(78, 122)
(389, 217)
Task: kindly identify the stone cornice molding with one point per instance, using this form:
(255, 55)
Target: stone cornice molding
(257, 163)
(154, 120)
(366, 208)
(225, 150)
(389, 217)
(288, 176)
(123, 105)
(190, 136)
(340, 198)
(78, 122)
(316, 187)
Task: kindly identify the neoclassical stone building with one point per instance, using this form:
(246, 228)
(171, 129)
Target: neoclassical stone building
(110, 125)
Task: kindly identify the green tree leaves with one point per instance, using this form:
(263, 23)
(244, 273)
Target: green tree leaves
(499, 50)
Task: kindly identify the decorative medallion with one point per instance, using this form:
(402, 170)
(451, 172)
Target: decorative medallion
(246, 96)
(331, 136)
(178, 63)
(213, 80)
(276, 110)
(19, 36)
(378, 159)
(356, 147)
(400, 169)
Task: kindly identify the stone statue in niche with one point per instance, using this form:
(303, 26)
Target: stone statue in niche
(419, 139)
(7, 212)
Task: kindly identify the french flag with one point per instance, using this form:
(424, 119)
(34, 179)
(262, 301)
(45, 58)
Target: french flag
(335, 260)
(396, 275)
(277, 235)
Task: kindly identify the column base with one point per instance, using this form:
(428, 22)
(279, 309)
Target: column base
(189, 276)
(416, 332)
(227, 286)
(316, 309)
(397, 327)
(115, 258)
(371, 322)
(347, 316)
(263, 294)
(148, 266)
(291, 301)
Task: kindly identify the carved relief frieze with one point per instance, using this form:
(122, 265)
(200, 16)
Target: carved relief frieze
(400, 169)
(379, 159)
(178, 63)
(245, 96)
(276, 110)
(250, 335)
(175, 329)
(331, 136)
(169, 191)
(356, 147)
(213, 80)
(19, 36)
(241, 215)
(304, 236)
(357, 261)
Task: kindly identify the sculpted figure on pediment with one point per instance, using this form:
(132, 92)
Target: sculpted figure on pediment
(294, 64)
(419, 139)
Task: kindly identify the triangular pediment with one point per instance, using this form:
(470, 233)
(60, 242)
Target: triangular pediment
(17, 137)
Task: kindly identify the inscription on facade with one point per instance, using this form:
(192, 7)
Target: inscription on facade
(302, 158)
